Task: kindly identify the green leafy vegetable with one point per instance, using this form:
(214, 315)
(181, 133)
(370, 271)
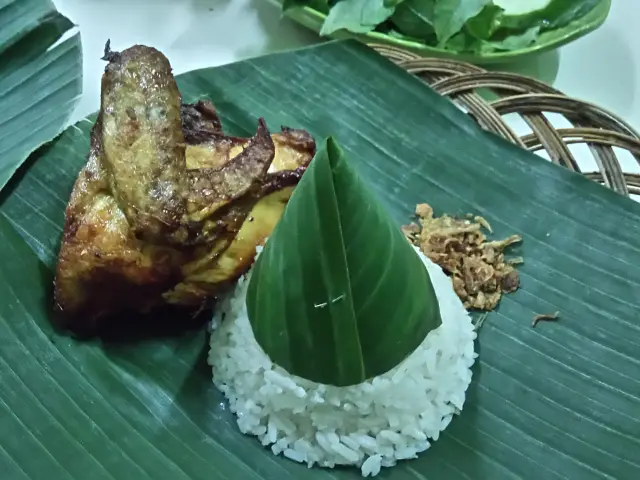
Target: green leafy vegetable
(461, 42)
(516, 41)
(396, 34)
(39, 83)
(557, 14)
(414, 18)
(562, 12)
(474, 29)
(359, 16)
(451, 15)
(338, 295)
(486, 23)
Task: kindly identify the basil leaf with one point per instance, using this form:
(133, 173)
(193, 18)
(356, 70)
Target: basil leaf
(338, 295)
(451, 15)
(357, 16)
(463, 43)
(514, 42)
(486, 23)
(414, 18)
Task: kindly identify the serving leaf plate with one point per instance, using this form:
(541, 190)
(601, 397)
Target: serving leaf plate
(557, 401)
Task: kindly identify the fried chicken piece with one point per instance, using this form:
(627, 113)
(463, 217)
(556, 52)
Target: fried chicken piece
(141, 142)
(199, 122)
(163, 216)
(478, 269)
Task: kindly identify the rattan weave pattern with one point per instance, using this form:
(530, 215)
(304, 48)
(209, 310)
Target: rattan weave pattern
(533, 100)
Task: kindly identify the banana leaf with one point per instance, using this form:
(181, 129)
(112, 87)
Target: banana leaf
(557, 401)
(40, 78)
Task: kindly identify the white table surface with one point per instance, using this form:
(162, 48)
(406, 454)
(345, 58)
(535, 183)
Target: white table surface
(602, 68)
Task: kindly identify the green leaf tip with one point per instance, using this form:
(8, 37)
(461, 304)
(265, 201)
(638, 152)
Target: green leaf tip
(338, 295)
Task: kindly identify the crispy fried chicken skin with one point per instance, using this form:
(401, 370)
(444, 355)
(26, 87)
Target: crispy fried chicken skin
(141, 141)
(167, 210)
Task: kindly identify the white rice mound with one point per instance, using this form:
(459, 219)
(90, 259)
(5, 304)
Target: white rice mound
(374, 424)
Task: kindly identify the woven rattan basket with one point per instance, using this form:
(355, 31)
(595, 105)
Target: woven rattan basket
(600, 130)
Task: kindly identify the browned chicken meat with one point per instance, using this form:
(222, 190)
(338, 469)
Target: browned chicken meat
(167, 210)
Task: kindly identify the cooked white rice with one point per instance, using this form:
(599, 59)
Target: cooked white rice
(374, 424)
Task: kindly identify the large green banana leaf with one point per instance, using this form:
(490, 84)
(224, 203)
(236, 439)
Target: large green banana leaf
(40, 79)
(558, 401)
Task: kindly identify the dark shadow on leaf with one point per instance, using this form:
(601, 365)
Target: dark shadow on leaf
(197, 396)
(34, 172)
(22, 171)
(200, 400)
(464, 428)
(34, 43)
(46, 279)
(160, 323)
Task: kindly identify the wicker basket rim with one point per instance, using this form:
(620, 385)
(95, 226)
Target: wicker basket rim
(601, 130)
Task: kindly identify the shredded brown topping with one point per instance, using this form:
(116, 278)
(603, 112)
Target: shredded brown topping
(478, 268)
(545, 317)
